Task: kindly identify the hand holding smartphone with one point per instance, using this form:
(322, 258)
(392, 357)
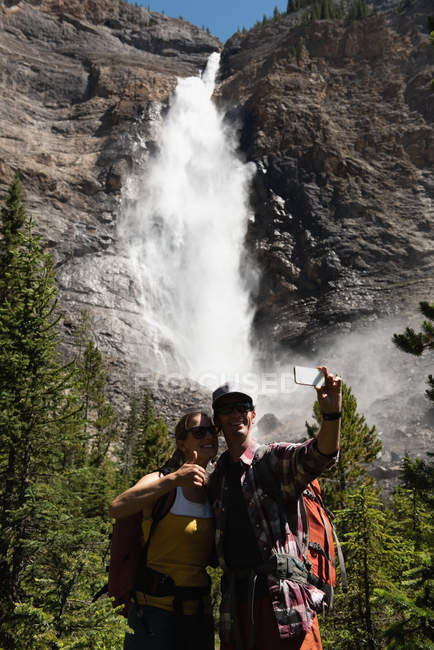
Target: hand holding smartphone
(308, 376)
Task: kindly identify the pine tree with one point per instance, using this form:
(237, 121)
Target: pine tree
(98, 414)
(412, 593)
(417, 342)
(128, 437)
(152, 445)
(68, 570)
(373, 556)
(100, 419)
(349, 491)
(358, 10)
(34, 395)
(53, 501)
(360, 445)
(13, 217)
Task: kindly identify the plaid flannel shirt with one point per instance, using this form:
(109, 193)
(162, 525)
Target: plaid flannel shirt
(295, 605)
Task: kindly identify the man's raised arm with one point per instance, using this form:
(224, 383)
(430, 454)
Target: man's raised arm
(330, 403)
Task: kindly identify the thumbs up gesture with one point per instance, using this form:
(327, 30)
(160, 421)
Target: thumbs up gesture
(190, 473)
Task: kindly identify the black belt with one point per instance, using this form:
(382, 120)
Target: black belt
(155, 583)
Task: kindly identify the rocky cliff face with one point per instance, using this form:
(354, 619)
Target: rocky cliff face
(337, 118)
(81, 83)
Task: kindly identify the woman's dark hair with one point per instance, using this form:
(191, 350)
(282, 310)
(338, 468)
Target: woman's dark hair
(184, 423)
(181, 430)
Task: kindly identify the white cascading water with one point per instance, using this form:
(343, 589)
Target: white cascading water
(187, 237)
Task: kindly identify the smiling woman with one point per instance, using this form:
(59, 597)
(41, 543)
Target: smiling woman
(171, 605)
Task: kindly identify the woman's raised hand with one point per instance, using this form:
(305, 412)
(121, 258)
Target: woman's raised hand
(190, 474)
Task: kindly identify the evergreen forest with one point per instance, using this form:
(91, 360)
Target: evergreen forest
(66, 452)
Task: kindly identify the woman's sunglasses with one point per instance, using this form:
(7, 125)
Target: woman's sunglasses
(201, 432)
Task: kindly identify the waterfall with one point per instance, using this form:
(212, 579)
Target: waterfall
(186, 237)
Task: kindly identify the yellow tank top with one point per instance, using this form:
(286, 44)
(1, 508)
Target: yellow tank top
(180, 547)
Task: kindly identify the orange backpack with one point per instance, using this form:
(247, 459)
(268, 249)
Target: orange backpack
(318, 549)
(320, 533)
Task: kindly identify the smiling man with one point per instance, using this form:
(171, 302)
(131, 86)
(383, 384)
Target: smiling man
(259, 609)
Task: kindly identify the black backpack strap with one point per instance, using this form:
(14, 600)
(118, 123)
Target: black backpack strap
(305, 524)
(159, 510)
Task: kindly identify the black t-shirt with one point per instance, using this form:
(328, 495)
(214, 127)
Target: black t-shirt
(240, 546)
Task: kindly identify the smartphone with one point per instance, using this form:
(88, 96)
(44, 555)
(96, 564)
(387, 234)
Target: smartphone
(308, 376)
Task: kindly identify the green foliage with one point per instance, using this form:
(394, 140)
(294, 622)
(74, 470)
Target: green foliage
(371, 556)
(71, 544)
(418, 342)
(411, 596)
(415, 626)
(215, 573)
(390, 598)
(56, 477)
(360, 445)
(385, 548)
(429, 393)
(358, 10)
(13, 217)
(99, 416)
(330, 10)
(127, 437)
(295, 5)
(35, 399)
(418, 475)
(266, 20)
(324, 10)
(152, 445)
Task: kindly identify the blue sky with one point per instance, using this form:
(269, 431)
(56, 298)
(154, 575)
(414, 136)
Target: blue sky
(223, 17)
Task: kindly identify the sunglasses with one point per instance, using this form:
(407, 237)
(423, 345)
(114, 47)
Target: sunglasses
(200, 432)
(240, 407)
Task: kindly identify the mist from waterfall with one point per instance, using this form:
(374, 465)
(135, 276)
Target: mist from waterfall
(186, 237)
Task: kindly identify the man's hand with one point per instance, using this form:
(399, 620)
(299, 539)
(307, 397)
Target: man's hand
(330, 401)
(190, 474)
(330, 395)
